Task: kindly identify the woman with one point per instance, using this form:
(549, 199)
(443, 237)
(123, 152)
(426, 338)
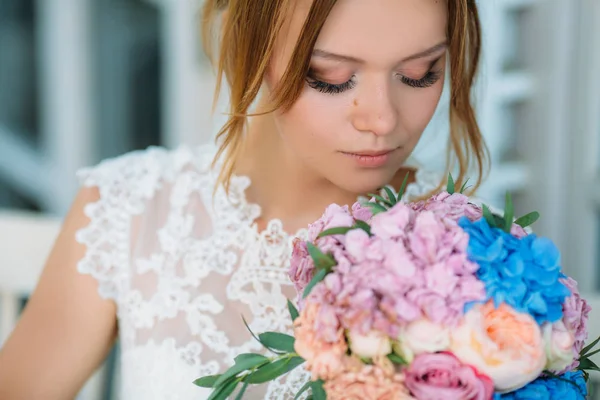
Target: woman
(167, 250)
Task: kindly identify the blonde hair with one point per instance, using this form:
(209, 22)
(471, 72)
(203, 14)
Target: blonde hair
(246, 42)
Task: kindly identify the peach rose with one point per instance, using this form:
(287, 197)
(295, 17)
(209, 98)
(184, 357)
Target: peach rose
(371, 382)
(323, 359)
(501, 343)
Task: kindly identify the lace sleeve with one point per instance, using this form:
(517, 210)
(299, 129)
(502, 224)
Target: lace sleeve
(124, 184)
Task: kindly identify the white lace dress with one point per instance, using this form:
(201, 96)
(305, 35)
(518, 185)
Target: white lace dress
(184, 267)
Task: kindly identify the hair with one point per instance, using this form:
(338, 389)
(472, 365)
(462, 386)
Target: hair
(246, 40)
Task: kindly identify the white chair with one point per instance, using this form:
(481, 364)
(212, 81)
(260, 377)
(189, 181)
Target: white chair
(25, 242)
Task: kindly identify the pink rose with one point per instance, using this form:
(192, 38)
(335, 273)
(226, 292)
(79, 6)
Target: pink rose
(442, 376)
(371, 382)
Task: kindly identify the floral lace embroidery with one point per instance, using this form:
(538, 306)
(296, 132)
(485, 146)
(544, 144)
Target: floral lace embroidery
(183, 267)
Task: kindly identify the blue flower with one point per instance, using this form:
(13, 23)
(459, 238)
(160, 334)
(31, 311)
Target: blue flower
(524, 273)
(570, 386)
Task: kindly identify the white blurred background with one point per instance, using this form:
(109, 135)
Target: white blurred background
(83, 80)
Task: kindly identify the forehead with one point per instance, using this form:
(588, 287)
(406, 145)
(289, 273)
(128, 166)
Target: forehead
(375, 30)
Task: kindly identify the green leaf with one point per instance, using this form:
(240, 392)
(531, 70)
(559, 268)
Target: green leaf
(375, 208)
(391, 196)
(293, 310)
(242, 391)
(384, 202)
(244, 364)
(590, 346)
(403, 187)
(342, 230)
(396, 359)
(322, 261)
(509, 213)
(249, 356)
(256, 337)
(586, 363)
(588, 355)
(222, 392)
(528, 220)
(450, 187)
(207, 381)
(318, 391)
(364, 226)
(302, 390)
(464, 186)
(273, 370)
(319, 276)
(489, 217)
(278, 341)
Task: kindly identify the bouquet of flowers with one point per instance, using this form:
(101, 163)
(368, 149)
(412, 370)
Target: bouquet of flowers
(436, 299)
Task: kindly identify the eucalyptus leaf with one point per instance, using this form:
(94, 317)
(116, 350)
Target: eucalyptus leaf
(322, 261)
(342, 230)
(273, 370)
(207, 381)
(319, 276)
(293, 310)
(249, 356)
(391, 196)
(241, 366)
(278, 341)
(256, 337)
(240, 395)
(364, 226)
(302, 390)
(222, 392)
(318, 391)
(528, 219)
(450, 187)
(403, 187)
(509, 213)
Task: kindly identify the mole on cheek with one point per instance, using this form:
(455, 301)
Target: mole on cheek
(355, 102)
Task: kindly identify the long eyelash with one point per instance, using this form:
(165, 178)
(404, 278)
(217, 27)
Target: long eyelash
(428, 80)
(330, 88)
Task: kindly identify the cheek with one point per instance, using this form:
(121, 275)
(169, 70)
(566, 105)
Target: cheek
(315, 122)
(417, 108)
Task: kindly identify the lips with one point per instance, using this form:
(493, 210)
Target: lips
(371, 159)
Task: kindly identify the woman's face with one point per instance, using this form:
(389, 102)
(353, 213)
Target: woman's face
(376, 76)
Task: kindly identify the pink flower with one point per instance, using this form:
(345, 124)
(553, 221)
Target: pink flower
(371, 382)
(359, 212)
(391, 224)
(335, 216)
(325, 360)
(452, 206)
(301, 267)
(442, 376)
(575, 317)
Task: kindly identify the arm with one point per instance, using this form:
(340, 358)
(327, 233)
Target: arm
(66, 330)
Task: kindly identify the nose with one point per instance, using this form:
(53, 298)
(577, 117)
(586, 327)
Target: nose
(374, 110)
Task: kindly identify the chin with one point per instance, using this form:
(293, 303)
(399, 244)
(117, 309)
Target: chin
(364, 183)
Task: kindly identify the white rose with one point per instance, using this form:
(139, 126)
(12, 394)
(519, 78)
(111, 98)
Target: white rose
(559, 342)
(371, 345)
(421, 336)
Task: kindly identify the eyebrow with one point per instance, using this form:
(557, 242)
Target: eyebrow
(340, 57)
